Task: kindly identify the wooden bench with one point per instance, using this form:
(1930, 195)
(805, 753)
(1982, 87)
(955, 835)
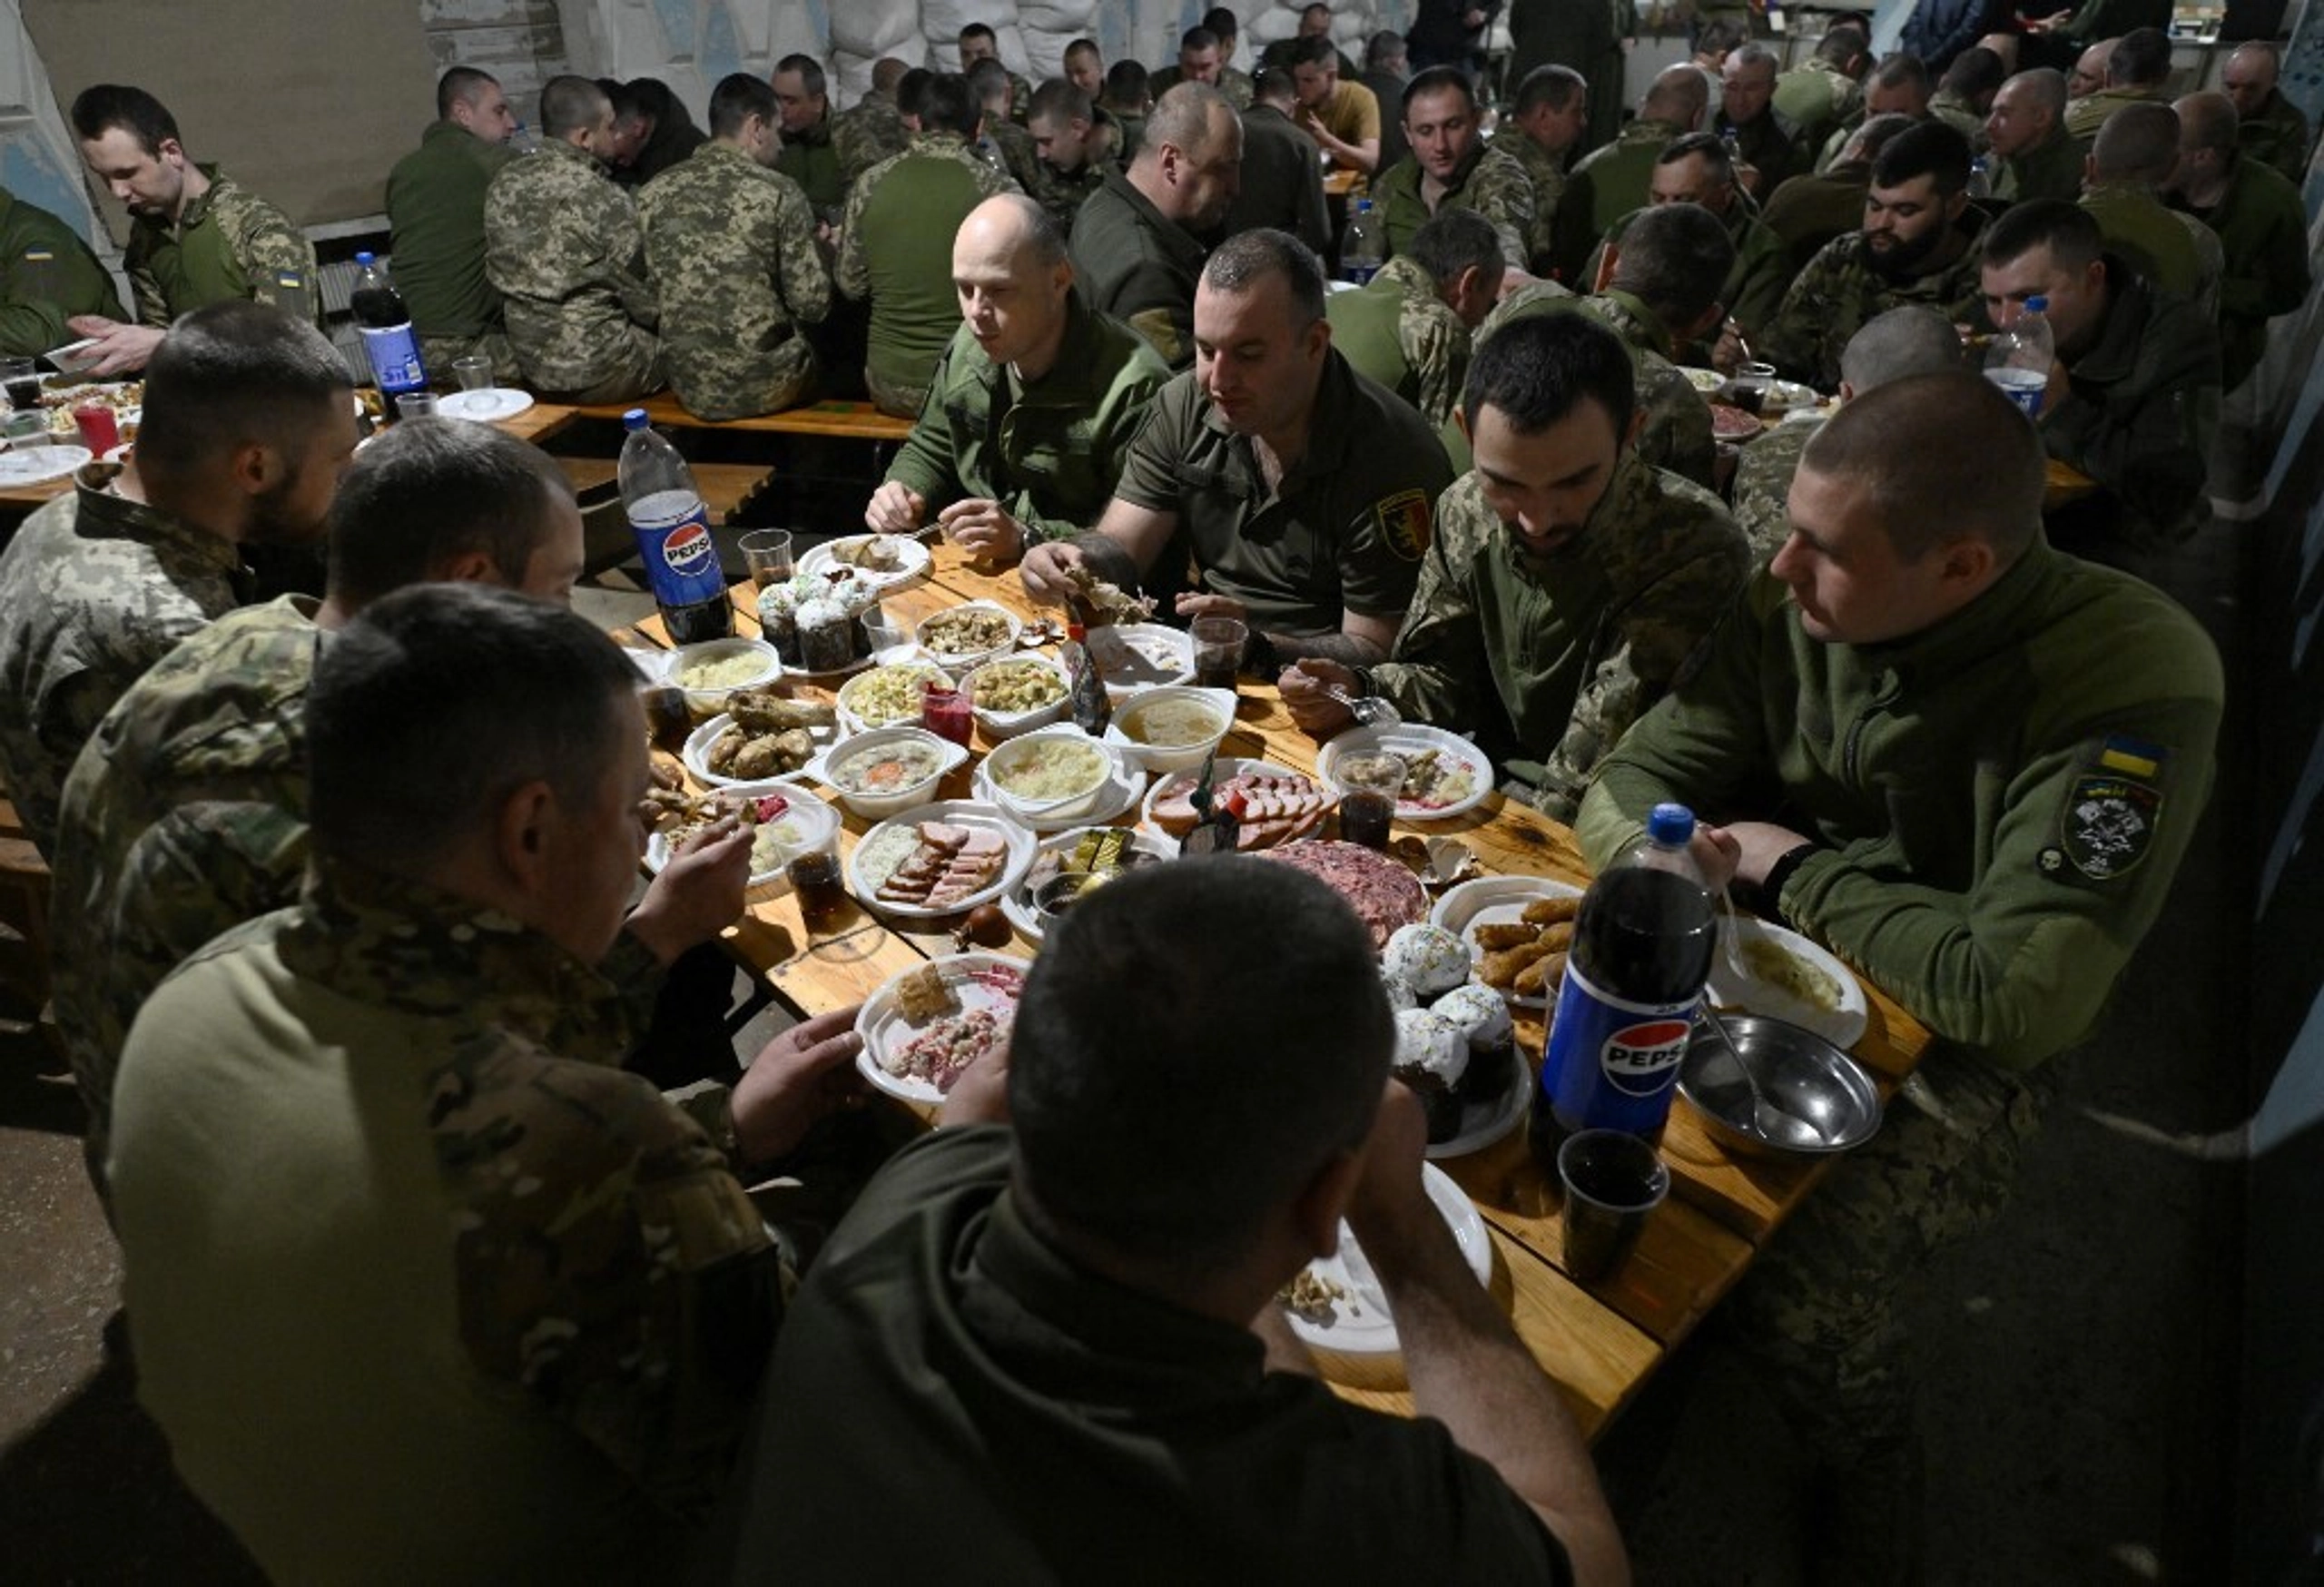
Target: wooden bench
(849, 421)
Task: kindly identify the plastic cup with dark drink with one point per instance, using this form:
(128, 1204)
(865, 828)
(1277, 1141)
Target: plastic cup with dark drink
(1219, 643)
(20, 378)
(1613, 1181)
(1747, 389)
(767, 554)
(1370, 784)
(816, 881)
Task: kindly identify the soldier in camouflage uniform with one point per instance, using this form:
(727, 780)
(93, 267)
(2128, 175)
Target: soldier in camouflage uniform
(1453, 167)
(97, 587)
(47, 277)
(1696, 170)
(1919, 245)
(1824, 91)
(732, 243)
(872, 129)
(895, 244)
(196, 237)
(563, 245)
(523, 1338)
(1004, 143)
(2075, 709)
(1911, 340)
(977, 45)
(186, 815)
(1075, 143)
(1611, 180)
(1408, 327)
(1202, 57)
(1568, 608)
(1544, 126)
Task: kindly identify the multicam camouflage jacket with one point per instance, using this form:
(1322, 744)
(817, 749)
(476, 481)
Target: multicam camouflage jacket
(1840, 289)
(228, 243)
(1008, 149)
(1571, 646)
(563, 245)
(1494, 184)
(94, 589)
(732, 244)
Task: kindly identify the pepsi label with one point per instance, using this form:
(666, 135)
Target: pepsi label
(394, 360)
(673, 530)
(1611, 1062)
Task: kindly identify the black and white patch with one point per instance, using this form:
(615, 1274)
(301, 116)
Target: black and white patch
(2109, 824)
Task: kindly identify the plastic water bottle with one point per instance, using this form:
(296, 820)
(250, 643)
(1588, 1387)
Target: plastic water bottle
(388, 341)
(522, 140)
(1981, 178)
(2018, 360)
(671, 524)
(1642, 946)
(1360, 253)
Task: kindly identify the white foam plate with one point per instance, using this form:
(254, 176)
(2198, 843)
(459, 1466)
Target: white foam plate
(1496, 901)
(851, 692)
(1005, 725)
(884, 1028)
(1402, 739)
(1360, 1323)
(490, 406)
(1158, 654)
(1117, 794)
(1225, 767)
(968, 813)
(958, 661)
(813, 820)
(33, 465)
(1018, 903)
(1839, 1026)
(915, 558)
(696, 753)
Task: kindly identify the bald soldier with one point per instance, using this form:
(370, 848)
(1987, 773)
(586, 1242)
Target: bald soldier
(1614, 178)
(1138, 241)
(2270, 128)
(2130, 162)
(732, 240)
(2026, 131)
(1034, 405)
(2261, 225)
(1969, 765)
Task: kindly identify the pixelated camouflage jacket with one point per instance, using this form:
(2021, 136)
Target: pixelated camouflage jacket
(94, 588)
(1840, 291)
(1493, 183)
(1060, 192)
(186, 815)
(1547, 172)
(1677, 432)
(1763, 475)
(228, 243)
(1571, 646)
(609, 1266)
(1009, 149)
(870, 131)
(732, 245)
(1398, 331)
(1816, 97)
(563, 245)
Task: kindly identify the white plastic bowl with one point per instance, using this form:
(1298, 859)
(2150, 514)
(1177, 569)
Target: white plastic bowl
(1063, 807)
(851, 692)
(998, 725)
(955, 660)
(1160, 758)
(889, 802)
(758, 650)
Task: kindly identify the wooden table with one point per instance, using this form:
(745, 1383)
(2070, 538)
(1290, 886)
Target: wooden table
(1599, 1341)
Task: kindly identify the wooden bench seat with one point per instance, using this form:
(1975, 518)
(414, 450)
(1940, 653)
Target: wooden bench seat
(852, 420)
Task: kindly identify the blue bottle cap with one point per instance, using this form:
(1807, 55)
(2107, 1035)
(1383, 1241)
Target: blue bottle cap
(633, 419)
(2037, 305)
(1670, 823)
(366, 259)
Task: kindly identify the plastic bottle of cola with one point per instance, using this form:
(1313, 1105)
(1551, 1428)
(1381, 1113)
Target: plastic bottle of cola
(388, 341)
(1642, 945)
(671, 524)
(1362, 250)
(2018, 360)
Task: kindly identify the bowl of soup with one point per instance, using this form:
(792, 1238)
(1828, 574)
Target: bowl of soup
(1171, 728)
(889, 770)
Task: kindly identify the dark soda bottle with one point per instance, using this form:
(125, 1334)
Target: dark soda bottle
(671, 524)
(388, 341)
(1642, 947)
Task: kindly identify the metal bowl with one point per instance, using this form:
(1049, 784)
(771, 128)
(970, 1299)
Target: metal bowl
(1799, 1073)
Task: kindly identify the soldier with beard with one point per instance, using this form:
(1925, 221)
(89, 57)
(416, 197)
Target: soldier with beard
(1919, 245)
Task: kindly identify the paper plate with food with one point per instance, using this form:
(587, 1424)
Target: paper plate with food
(1456, 1042)
(923, 1028)
(1518, 931)
(884, 561)
(1731, 424)
(1337, 1302)
(1105, 851)
(1786, 977)
(759, 735)
(939, 860)
(1445, 776)
(1273, 803)
(785, 819)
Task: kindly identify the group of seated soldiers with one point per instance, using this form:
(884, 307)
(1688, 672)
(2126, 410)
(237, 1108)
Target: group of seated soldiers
(422, 1282)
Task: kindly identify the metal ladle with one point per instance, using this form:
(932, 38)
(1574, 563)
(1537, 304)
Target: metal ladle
(1776, 1126)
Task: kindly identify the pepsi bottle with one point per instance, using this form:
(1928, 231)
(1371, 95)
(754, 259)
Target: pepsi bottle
(671, 524)
(1642, 947)
(388, 341)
